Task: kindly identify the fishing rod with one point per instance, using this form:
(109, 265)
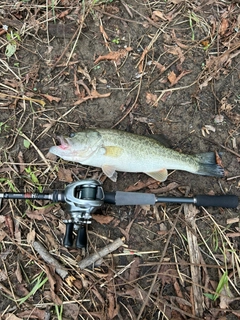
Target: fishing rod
(83, 197)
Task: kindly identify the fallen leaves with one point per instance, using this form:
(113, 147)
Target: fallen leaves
(51, 98)
(65, 175)
(173, 78)
(115, 56)
(151, 99)
(102, 219)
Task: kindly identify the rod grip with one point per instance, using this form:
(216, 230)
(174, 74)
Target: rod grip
(134, 198)
(225, 201)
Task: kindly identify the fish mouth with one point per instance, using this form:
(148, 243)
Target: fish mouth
(64, 144)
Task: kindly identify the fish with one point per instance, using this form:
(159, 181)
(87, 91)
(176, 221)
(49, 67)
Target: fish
(115, 150)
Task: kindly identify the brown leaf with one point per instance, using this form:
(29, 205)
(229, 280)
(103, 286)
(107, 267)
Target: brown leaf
(31, 236)
(18, 273)
(125, 231)
(51, 98)
(223, 26)
(34, 313)
(151, 99)
(35, 214)
(65, 175)
(172, 77)
(102, 219)
(103, 32)
(40, 214)
(94, 95)
(114, 55)
(134, 269)
(9, 223)
(54, 281)
(2, 235)
(21, 161)
(52, 243)
(140, 185)
(11, 316)
(3, 275)
(63, 14)
(156, 15)
(160, 67)
(71, 311)
(17, 232)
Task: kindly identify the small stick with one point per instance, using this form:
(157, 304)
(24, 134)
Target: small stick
(47, 257)
(102, 253)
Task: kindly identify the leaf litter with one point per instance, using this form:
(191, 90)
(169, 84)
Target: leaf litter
(181, 90)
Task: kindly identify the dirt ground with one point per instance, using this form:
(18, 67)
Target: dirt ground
(161, 67)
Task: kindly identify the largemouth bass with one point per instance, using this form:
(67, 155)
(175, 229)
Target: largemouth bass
(114, 150)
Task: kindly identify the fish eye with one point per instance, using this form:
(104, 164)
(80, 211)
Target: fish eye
(72, 135)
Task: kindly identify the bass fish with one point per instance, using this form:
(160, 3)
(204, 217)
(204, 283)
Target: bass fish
(114, 150)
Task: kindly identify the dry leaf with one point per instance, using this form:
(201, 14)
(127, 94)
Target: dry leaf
(114, 55)
(134, 269)
(18, 273)
(17, 232)
(21, 161)
(71, 311)
(65, 175)
(160, 67)
(151, 99)
(2, 235)
(223, 26)
(156, 15)
(2, 219)
(55, 283)
(11, 316)
(84, 72)
(63, 14)
(94, 95)
(172, 77)
(35, 312)
(103, 32)
(51, 98)
(219, 118)
(102, 219)
(3, 275)
(31, 236)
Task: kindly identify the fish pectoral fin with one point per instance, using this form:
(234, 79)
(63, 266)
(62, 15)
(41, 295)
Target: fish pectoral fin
(113, 151)
(160, 175)
(110, 172)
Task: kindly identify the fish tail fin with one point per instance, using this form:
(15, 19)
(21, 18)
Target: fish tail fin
(208, 165)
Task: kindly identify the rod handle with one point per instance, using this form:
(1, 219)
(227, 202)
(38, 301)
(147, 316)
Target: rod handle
(121, 198)
(225, 201)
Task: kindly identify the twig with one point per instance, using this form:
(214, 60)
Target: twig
(47, 257)
(195, 258)
(102, 253)
(36, 148)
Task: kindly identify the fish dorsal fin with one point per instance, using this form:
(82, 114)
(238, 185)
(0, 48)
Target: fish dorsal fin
(160, 175)
(110, 172)
(113, 151)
